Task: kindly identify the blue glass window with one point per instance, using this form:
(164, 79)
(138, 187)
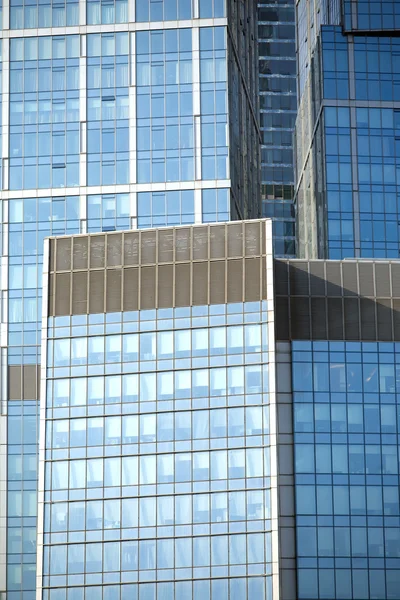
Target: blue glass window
(212, 9)
(347, 500)
(31, 15)
(108, 108)
(108, 212)
(165, 122)
(163, 10)
(214, 120)
(147, 422)
(215, 205)
(44, 112)
(106, 11)
(156, 209)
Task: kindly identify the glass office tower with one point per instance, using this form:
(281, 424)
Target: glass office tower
(216, 424)
(344, 316)
(277, 54)
(347, 135)
(114, 115)
(346, 468)
(156, 451)
(338, 353)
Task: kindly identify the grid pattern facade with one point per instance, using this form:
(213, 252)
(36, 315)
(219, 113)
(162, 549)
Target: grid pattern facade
(71, 114)
(165, 106)
(351, 165)
(351, 300)
(243, 93)
(30, 220)
(32, 15)
(345, 398)
(277, 81)
(107, 109)
(108, 212)
(338, 332)
(310, 17)
(44, 112)
(140, 270)
(367, 15)
(157, 466)
(177, 208)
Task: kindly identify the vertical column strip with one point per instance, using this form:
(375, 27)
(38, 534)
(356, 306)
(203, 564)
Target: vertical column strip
(198, 206)
(42, 419)
(195, 7)
(272, 411)
(82, 12)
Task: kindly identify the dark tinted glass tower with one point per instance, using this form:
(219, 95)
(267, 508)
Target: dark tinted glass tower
(344, 326)
(276, 34)
(347, 134)
(337, 352)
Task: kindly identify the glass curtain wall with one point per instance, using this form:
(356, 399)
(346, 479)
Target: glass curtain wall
(157, 469)
(83, 115)
(278, 105)
(346, 409)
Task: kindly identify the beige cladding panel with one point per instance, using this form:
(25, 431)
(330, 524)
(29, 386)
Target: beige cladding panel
(97, 251)
(51, 293)
(147, 269)
(80, 253)
(200, 283)
(79, 292)
(131, 249)
(23, 382)
(63, 256)
(63, 293)
(95, 291)
(181, 287)
(181, 244)
(147, 287)
(165, 286)
(113, 290)
(15, 382)
(131, 288)
(217, 274)
(235, 281)
(235, 241)
(148, 247)
(253, 278)
(165, 246)
(217, 242)
(114, 250)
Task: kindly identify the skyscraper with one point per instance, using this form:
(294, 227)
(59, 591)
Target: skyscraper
(277, 53)
(214, 424)
(115, 115)
(217, 425)
(156, 447)
(342, 318)
(347, 130)
(337, 352)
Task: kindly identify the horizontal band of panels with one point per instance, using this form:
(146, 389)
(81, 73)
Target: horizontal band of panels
(165, 268)
(337, 300)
